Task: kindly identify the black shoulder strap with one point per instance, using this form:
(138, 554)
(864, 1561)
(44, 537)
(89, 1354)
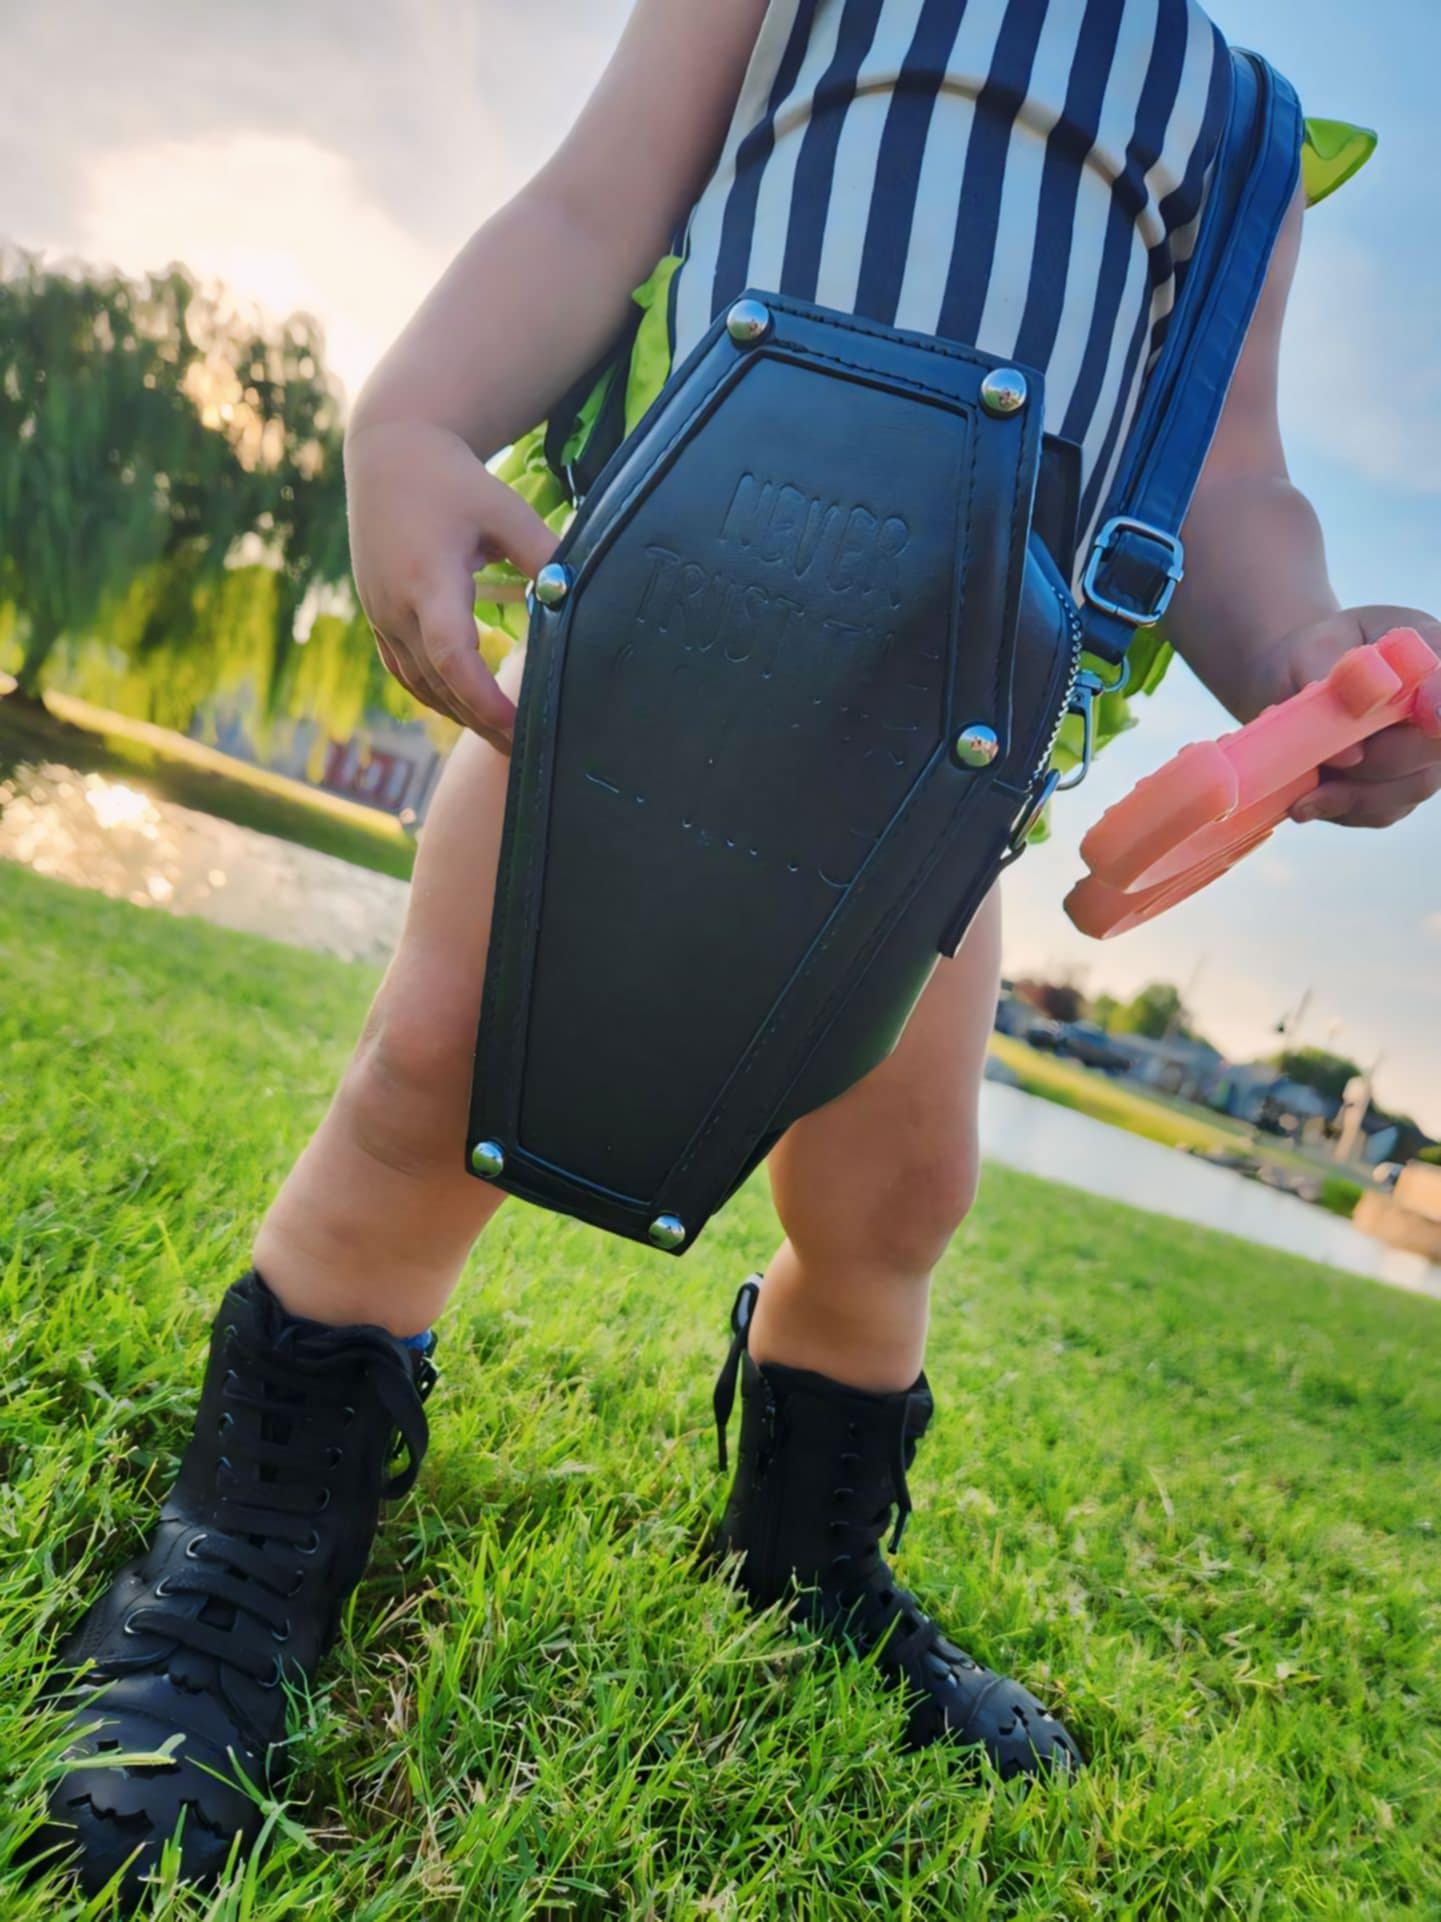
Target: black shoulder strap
(1136, 561)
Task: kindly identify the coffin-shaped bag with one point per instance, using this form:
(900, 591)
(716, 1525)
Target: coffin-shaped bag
(791, 691)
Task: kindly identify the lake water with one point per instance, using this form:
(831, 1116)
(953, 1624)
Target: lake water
(98, 832)
(1042, 1138)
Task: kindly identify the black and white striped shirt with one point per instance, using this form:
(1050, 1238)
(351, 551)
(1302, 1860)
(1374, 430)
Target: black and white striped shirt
(1021, 175)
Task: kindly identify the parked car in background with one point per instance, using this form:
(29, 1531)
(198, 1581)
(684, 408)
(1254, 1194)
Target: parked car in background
(1083, 1041)
(1080, 1041)
(1044, 1035)
(1014, 1016)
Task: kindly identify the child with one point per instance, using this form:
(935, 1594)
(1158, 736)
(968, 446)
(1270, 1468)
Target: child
(1023, 175)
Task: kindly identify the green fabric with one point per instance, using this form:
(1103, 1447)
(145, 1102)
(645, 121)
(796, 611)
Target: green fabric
(650, 357)
(590, 409)
(1332, 153)
(502, 624)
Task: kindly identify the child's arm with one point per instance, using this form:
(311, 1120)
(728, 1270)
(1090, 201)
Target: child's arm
(530, 302)
(1257, 617)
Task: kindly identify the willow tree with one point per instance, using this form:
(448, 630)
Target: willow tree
(150, 438)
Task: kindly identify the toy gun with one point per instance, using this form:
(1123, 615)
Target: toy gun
(1217, 801)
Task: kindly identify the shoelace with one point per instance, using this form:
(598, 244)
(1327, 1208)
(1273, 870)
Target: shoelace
(724, 1398)
(270, 1503)
(869, 1530)
(723, 1402)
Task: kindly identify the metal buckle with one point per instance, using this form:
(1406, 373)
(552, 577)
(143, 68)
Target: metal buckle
(1088, 690)
(1027, 820)
(1107, 540)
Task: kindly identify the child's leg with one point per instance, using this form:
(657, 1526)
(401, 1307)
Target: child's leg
(376, 1219)
(267, 1530)
(871, 1188)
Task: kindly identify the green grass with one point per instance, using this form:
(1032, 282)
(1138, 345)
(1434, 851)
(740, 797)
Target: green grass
(175, 768)
(1159, 1117)
(1186, 1488)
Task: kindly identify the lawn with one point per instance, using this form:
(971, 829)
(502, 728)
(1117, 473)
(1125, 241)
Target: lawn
(175, 768)
(1186, 1488)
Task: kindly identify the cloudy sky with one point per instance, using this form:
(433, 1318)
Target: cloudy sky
(317, 154)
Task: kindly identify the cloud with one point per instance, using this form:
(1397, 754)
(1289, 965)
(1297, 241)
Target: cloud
(1432, 926)
(1360, 376)
(295, 230)
(442, 106)
(318, 156)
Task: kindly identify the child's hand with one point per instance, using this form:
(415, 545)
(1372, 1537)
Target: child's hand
(1381, 783)
(424, 515)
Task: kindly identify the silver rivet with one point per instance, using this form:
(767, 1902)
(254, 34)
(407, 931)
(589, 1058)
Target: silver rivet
(977, 746)
(667, 1231)
(748, 322)
(1005, 391)
(488, 1159)
(553, 583)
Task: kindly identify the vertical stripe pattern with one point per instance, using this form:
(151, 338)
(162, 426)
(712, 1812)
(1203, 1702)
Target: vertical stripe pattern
(1023, 175)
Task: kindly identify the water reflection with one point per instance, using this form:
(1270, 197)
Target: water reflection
(98, 832)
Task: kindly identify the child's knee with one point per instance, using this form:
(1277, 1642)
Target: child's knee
(896, 1216)
(919, 1201)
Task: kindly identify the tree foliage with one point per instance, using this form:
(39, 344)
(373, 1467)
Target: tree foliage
(170, 468)
(1156, 1012)
(1057, 1000)
(1317, 1068)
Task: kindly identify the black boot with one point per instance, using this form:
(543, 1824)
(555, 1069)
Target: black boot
(821, 1469)
(264, 1535)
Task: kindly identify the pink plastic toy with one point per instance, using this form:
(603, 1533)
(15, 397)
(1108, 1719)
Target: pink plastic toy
(1186, 825)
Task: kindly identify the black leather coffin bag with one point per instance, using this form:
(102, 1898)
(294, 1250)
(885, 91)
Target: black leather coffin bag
(783, 718)
(789, 702)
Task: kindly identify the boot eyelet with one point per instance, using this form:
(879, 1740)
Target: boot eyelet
(349, 1413)
(312, 1547)
(324, 1502)
(193, 1544)
(225, 1423)
(128, 1627)
(275, 1675)
(335, 1456)
(281, 1635)
(162, 1587)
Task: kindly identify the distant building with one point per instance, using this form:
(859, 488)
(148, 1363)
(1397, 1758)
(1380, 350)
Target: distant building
(1177, 1065)
(387, 764)
(1260, 1096)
